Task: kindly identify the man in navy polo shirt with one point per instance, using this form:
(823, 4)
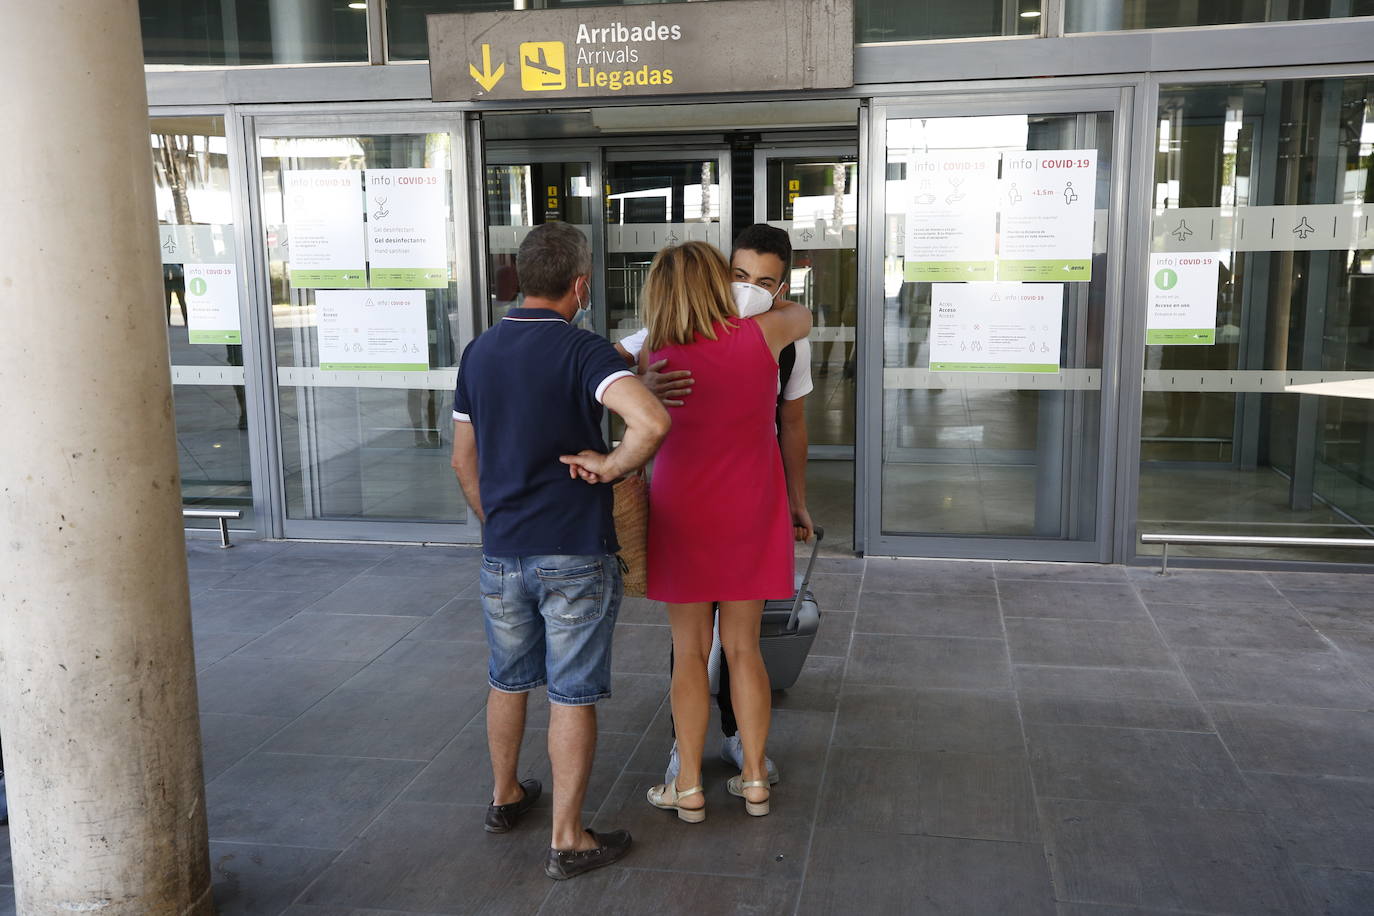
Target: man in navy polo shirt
(530, 392)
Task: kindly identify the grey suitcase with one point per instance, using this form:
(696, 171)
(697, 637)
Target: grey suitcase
(789, 628)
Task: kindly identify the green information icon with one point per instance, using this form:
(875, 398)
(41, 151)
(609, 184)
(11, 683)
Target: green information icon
(1166, 278)
(197, 286)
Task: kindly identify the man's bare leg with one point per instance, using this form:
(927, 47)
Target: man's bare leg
(572, 745)
(505, 732)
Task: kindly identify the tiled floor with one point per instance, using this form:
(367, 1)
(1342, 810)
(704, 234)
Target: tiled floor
(967, 737)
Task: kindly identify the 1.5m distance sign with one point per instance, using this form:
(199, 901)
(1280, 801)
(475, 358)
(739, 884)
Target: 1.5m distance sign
(663, 49)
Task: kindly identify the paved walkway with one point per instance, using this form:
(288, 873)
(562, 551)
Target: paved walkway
(966, 738)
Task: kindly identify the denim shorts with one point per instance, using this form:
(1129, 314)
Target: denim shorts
(549, 621)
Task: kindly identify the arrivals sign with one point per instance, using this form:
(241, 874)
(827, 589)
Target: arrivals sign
(658, 49)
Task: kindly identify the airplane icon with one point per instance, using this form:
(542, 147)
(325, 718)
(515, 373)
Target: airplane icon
(543, 66)
(1304, 228)
(1181, 231)
(542, 63)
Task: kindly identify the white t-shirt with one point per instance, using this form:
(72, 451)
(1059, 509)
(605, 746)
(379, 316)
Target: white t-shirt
(799, 383)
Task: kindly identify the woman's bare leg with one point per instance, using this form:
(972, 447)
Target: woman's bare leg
(691, 690)
(753, 699)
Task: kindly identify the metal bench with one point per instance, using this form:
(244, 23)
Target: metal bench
(1240, 540)
(223, 515)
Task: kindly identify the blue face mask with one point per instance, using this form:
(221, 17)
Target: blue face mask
(582, 312)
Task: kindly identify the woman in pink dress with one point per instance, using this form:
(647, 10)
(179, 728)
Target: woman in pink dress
(720, 532)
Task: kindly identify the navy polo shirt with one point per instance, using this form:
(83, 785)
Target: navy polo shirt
(531, 386)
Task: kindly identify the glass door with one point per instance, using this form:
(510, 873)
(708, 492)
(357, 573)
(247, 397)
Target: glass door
(525, 188)
(993, 301)
(812, 193)
(655, 199)
(364, 274)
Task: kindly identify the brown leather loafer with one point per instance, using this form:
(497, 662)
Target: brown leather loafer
(564, 864)
(501, 818)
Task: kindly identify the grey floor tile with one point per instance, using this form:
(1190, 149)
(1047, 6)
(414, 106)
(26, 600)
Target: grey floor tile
(860, 871)
(331, 637)
(1067, 599)
(285, 572)
(425, 666)
(1105, 683)
(1321, 819)
(833, 636)
(461, 773)
(627, 891)
(1190, 859)
(457, 568)
(1094, 909)
(303, 800)
(1338, 892)
(729, 842)
(358, 552)
(211, 647)
(929, 662)
(1205, 588)
(1331, 581)
(240, 610)
(1331, 609)
(946, 721)
(817, 688)
(206, 552)
(269, 686)
(929, 614)
(1086, 643)
(437, 859)
(1266, 676)
(836, 593)
(635, 698)
(837, 566)
(1049, 709)
(950, 577)
(640, 649)
(642, 610)
(984, 796)
(1248, 628)
(253, 879)
(305, 909)
(201, 578)
(395, 723)
(227, 739)
(1135, 766)
(460, 620)
(1060, 572)
(395, 596)
(1296, 740)
(1357, 648)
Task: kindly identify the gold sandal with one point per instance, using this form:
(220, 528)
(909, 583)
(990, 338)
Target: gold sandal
(667, 797)
(736, 787)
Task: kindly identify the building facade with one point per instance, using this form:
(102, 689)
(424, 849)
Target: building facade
(1075, 265)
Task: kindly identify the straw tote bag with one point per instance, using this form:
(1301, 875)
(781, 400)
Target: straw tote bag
(632, 531)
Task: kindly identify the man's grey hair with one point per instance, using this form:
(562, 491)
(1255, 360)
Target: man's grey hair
(550, 258)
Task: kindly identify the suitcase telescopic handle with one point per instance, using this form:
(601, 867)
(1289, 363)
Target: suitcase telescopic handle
(806, 581)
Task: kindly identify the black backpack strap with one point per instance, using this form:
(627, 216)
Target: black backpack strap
(787, 361)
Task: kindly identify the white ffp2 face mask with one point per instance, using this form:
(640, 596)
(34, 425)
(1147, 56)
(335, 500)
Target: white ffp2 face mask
(751, 300)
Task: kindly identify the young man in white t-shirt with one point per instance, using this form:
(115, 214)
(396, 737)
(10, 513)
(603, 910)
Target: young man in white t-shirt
(759, 265)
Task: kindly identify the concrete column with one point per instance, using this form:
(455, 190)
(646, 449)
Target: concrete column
(97, 676)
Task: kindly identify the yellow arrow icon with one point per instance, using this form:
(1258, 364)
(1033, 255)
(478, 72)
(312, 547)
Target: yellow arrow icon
(486, 77)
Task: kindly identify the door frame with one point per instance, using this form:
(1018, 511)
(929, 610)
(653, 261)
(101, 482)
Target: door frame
(255, 127)
(1117, 388)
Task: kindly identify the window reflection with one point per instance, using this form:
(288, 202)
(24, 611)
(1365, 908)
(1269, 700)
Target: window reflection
(1274, 178)
(201, 305)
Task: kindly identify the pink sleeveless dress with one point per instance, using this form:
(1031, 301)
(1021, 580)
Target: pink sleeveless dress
(719, 526)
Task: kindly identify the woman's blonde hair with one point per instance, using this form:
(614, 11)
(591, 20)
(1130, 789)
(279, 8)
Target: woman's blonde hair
(687, 292)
